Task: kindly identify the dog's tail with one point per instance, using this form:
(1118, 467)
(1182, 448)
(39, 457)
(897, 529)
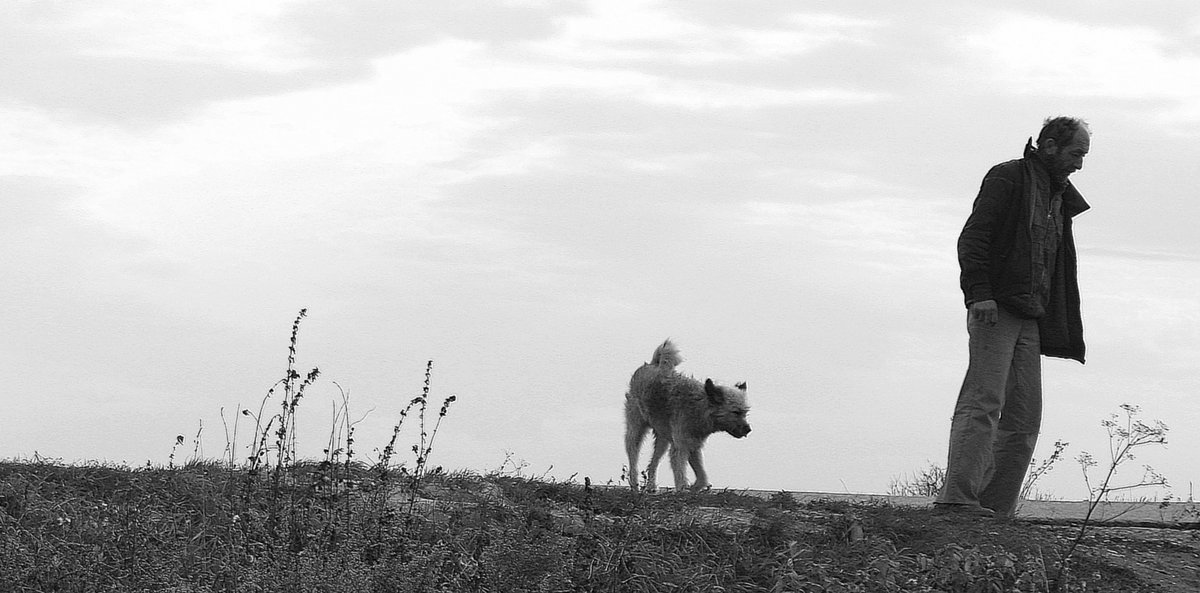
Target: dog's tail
(666, 356)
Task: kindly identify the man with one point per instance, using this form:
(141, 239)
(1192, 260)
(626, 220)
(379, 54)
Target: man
(1017, 257)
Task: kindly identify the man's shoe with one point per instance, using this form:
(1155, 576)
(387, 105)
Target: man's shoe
(962, 510)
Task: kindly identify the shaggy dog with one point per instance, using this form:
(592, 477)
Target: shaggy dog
(683, 412)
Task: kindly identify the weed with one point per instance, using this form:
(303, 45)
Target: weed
(1041, 469)
(926, 482)
(929, 481)
(1123, 438)
(171, 457)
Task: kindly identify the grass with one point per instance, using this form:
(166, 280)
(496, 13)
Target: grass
(205, 527)
(274, 522)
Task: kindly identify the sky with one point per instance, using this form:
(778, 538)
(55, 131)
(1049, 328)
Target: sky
(534, 194)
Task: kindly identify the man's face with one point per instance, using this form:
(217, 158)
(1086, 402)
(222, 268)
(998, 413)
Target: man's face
(1063, 160)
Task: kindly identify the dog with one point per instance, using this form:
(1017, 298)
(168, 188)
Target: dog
(683, 412)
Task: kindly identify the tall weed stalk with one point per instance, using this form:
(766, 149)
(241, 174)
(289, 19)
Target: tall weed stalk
(282, 426)
(301, 496)
(1123, 438)
(422, 448)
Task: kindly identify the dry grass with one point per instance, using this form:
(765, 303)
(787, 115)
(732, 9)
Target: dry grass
(207, 527)
(278, 523)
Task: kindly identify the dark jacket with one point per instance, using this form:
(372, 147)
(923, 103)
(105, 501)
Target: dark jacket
(995, 254)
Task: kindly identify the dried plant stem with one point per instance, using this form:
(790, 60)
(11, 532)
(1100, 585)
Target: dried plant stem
(1122, 440)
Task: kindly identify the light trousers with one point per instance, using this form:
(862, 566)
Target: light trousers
(998, 415)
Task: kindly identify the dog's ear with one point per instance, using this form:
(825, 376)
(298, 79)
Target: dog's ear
(741, 385)
(715, 397)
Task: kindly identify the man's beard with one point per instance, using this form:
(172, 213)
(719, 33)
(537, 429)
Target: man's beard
(1056, 168)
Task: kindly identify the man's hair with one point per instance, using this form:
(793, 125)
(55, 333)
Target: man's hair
(1062, 129)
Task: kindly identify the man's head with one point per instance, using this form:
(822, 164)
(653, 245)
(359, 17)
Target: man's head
(1062, 144)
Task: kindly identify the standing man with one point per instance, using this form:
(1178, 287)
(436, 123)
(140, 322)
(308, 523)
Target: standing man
(1017, 257)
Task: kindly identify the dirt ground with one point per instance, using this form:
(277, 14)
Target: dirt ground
(1127, 547)
(1168, 558)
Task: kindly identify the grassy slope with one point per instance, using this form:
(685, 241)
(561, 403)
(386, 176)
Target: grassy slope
(321, 528)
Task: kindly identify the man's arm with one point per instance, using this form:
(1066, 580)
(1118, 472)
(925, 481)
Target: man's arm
(975, 241)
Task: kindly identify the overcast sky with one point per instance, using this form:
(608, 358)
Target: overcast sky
(535, 193)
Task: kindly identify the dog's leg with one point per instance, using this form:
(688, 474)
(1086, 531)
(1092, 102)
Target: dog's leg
(635, 433)
(697, 462)
(660, 447)
(680, 453)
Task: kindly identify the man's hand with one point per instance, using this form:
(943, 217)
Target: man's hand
(984, 311)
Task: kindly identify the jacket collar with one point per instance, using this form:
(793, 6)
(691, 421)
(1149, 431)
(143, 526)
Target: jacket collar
(1039, 166)
(1073, 202)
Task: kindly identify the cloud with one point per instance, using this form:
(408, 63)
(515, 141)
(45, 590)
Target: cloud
(644, 31)
(31, 201)
(144, 64)
(728, 96)
(233, 33)
(1028, 54)
(365, 30)
(1143, 255)
(133, 91)
(237, 34)
(660, 54)
(901, 234)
